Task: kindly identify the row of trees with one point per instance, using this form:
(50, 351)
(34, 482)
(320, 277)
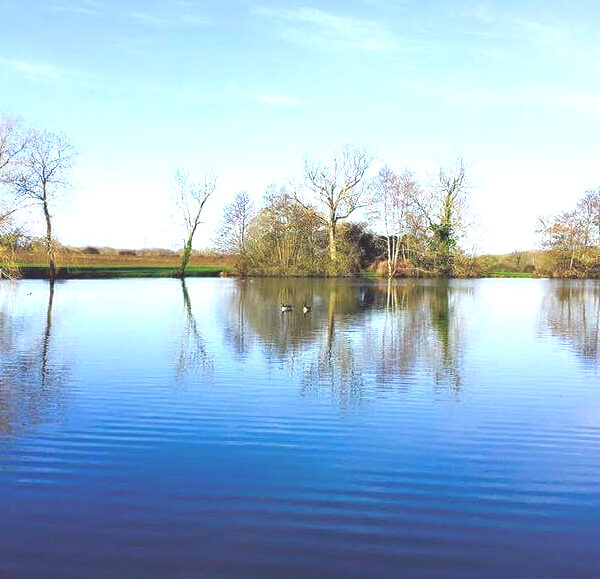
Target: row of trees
(305, 229)
(302, 228)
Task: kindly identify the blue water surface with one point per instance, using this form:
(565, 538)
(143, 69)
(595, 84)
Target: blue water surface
(420, 429)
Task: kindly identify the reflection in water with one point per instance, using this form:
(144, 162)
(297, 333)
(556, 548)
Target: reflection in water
(234, 321)
(335, 364)
(31, 375)
(399, 329)
(571, 312)
(192, 354)
(322, 431)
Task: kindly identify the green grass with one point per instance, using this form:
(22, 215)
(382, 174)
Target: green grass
(509, 274)
(368, 273)
(38, 271)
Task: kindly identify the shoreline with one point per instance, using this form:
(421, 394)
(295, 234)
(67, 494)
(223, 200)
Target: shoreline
(28, 271)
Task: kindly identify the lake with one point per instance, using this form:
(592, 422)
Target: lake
(423, 429)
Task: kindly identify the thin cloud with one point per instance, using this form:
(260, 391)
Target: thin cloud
(315, 26)
(275, 99)
(171, 20)
(33, 70)
(87, 7)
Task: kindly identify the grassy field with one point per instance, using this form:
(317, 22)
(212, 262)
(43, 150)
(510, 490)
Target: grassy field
(37, 271)
(75, 265)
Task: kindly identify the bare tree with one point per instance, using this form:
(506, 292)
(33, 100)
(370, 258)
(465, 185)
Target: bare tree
(42, 176)
(13, 145)
(338, 187)
(394, 206)
(233, 235)
(589, 210)
(190, 197)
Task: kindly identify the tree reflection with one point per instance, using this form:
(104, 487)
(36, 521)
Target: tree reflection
(355, 329)
(571, 312)
(31, 374)
(192, 355)
(336, 366)
(421, 333)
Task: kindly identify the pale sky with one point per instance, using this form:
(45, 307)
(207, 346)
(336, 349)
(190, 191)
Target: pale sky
(251, 88)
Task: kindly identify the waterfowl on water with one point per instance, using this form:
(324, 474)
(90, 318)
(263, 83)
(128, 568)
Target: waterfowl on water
(306, 308)
(286, 307)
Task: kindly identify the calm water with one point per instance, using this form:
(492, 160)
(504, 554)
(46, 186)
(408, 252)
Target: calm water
(430, 429)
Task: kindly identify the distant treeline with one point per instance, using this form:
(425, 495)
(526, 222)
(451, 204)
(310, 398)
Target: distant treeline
(335, 219)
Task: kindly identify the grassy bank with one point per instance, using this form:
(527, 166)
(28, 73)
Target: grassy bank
(37, 271)
(106, 264)
(519, 274)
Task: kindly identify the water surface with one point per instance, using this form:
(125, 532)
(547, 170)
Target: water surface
(435, 429)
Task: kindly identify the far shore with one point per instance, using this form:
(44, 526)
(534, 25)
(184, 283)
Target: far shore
(128, 271)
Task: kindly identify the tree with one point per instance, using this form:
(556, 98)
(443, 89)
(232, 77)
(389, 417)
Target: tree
(233, 235)
(286, 238)
(190, 198)
(338, 187)
(443, 211)
(588, 208)
(42, 176)
(564, 236)
(395, 207)
(13, 144)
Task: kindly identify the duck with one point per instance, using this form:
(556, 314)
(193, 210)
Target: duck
(286, 307)
(306, 308)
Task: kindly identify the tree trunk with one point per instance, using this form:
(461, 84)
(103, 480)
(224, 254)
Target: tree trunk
(49, 244)
(185, 258)
(332, 240)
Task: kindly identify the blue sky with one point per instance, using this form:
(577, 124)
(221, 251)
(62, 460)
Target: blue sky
(251, 88)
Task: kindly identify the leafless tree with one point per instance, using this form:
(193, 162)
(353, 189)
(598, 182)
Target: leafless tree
(42, 176)
(394, 207)
(13, 142)
(190, 197)
(13, 145)
(233, 235)
(338, 187)
(588, 209)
